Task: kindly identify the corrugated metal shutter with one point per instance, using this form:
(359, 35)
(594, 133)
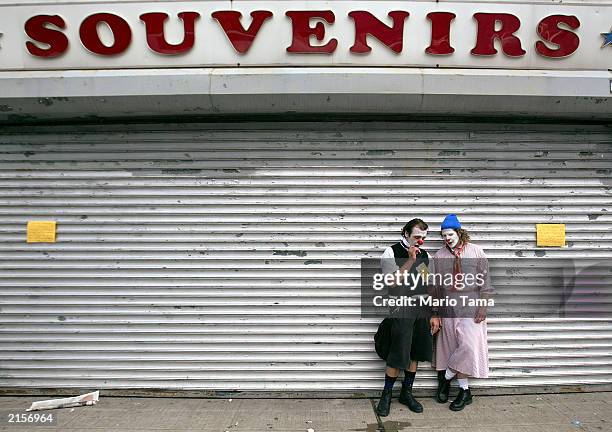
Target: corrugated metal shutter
(226, 256)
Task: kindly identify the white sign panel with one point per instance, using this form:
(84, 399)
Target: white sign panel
(110, 35)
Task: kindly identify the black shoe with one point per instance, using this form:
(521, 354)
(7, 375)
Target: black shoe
(463, 398)
(407, 399)
(384, 404)
(443, 388)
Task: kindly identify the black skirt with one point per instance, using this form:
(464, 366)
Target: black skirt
(411, 339)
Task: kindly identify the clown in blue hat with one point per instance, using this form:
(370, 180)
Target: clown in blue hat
(452, 233)
(461, 345)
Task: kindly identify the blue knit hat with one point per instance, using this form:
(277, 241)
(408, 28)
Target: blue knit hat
(451, 222)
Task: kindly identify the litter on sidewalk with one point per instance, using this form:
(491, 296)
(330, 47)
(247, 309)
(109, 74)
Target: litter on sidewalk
(85, 399)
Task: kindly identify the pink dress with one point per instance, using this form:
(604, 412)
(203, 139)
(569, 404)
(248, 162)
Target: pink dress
(461, 344)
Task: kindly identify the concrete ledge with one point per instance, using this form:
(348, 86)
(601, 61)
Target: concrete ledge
(88, 95)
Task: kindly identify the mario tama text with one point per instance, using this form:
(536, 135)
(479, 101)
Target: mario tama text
(428, 301)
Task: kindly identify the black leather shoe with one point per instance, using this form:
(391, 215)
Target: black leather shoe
(384, 404)
(463, 398)
(443, 388)
(407, 399)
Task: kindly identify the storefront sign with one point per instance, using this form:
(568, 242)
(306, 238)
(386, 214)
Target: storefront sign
(65, 35)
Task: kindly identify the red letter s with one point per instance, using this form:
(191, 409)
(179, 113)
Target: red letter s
(567, 41)
(37, 30)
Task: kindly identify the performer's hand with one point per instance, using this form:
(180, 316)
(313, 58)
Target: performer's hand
(481, 315)
(434, 324)
(413, 251)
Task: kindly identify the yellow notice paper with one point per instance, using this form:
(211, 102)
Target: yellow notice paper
(550, 234)
(41, 232)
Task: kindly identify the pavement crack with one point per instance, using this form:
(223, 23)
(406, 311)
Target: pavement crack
(381, 425)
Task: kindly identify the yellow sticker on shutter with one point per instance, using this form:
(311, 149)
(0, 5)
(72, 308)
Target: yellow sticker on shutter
(550, 234)
(41, 232)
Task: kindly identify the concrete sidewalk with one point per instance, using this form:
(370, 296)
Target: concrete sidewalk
(542, 413)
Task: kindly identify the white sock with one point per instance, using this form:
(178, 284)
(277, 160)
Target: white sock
(449, 374)
(463, 383)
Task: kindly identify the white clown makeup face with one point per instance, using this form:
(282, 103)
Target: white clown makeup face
(450, 236)
(416, 235)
